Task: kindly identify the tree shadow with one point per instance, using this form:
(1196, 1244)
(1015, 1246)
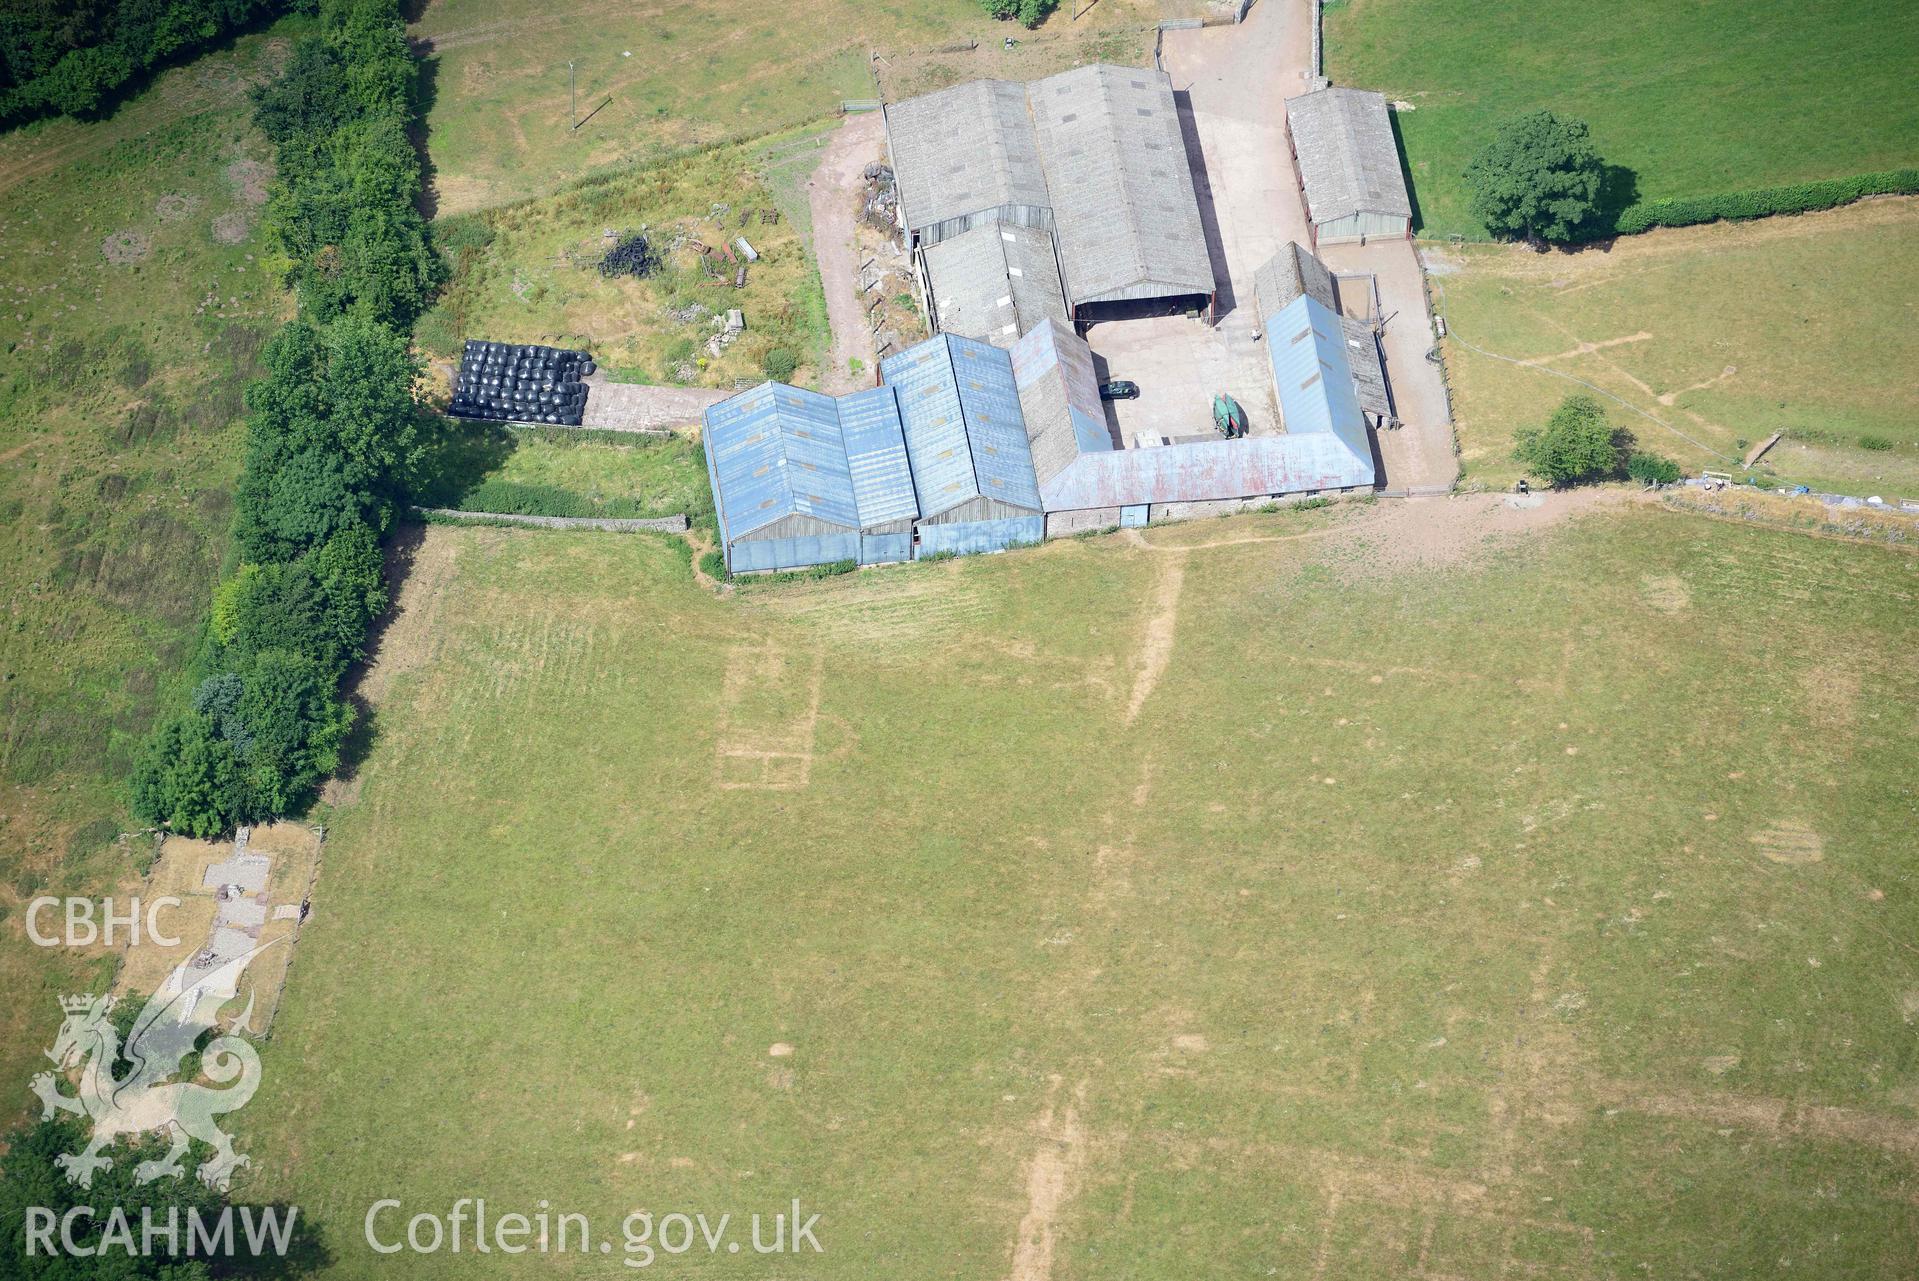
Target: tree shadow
(426, 92)
(307, 1253)
(1618, 192)
(458, 457)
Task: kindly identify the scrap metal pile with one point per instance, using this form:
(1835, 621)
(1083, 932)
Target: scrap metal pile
(521, 383)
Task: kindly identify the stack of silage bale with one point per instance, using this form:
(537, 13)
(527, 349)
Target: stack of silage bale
(521, 383)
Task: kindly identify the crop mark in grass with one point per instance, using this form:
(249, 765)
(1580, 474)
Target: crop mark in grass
(1377, 673)
(892, 607)
(1156, 646)
(1669, 398)
(1442, 1241)
(1832, 699)
(1051, 1178)
(769, 716)
(1790, 841)
(1666, 593)
(1588, 348)
(1774, 1119)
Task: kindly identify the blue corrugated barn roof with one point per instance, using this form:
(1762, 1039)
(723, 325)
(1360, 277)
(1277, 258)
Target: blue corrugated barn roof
(1080, 470)
(960, 412)
(777, 451)
(876, 457)
(1307, 346)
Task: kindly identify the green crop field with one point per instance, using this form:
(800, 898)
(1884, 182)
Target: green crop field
(1693, 99)
(1363, 892)
(1723, 334)
(134, 297)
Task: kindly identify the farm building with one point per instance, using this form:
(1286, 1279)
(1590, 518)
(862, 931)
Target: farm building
(966, 441)
(1085, 483)
(1126, 216)
(994, 283)
(966, 157)
(1294, 273)
(1348, 166)
(1288, 274)
(1090, 164)
(802, 479)
(935, 459)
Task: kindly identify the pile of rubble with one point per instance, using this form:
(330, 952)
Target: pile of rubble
(881, 205)
(727, 328)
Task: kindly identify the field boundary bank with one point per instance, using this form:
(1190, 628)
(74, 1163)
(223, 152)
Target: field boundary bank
(1893, 529)
(611, 524)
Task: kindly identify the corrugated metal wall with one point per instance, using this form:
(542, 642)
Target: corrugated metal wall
(978, 536)
(747, 555)
(1372, 226)
(1019, 215)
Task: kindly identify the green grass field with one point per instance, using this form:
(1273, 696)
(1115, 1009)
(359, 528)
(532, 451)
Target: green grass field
(1261, 900)
(1693, 98)
(134, 298)
(567, 472)
(1724, 334)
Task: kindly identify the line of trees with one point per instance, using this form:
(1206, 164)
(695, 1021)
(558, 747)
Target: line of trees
(73, 57)
(334, 439)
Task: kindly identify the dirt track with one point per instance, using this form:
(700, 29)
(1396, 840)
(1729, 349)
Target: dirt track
(833, 193)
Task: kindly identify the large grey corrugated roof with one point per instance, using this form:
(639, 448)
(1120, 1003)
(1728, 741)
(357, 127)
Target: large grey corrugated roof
(1348, 160)
(1059, 398)
(1369, 375)
(964, 149)
(1122, 191)
(1288, 274)
(1099, 146)
(995, 282)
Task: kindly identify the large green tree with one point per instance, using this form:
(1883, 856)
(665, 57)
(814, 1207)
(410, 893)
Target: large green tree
(29, 1178)
(1539, 178)
(1577, 444)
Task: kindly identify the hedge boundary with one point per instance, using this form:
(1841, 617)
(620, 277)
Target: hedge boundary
(1763, 202)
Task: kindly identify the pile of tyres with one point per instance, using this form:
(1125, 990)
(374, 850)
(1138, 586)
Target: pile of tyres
(520, 383)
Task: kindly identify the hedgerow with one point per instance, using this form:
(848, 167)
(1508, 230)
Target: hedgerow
(74, 59)
(1764, 202)
(333, 440)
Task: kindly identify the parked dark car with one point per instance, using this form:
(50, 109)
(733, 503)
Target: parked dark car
(1119, 389)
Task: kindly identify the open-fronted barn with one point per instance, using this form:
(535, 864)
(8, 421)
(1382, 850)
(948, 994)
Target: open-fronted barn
(1125, 211)
(1348, 166)
(1091, 159)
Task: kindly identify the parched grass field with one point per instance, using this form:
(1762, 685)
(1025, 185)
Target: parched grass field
(1405, 890)
(1694, 99)
(661, 76)
(1725, 334)
(134, 298)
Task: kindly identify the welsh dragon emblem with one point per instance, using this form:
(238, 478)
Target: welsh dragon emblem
(145, 1099)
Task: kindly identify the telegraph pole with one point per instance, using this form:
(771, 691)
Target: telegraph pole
(573, 93)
